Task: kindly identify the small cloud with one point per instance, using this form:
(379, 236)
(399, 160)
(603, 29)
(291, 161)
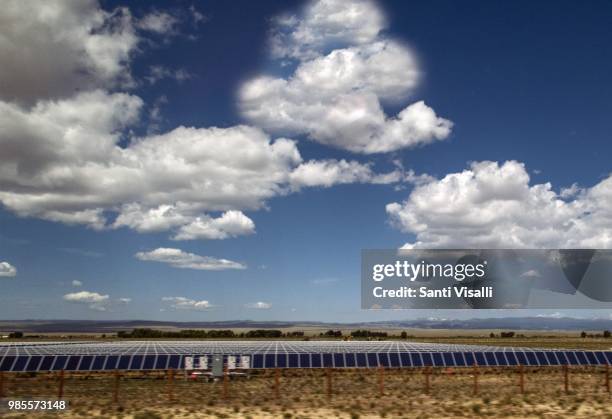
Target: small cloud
(159, 23)
(183, 303)
(532, 273)
(183, 260)
(76, 283)
(197, 16)
(293, 310)
(159, 72)
(86, 297)
(7, 270)
(260, 305)
(125, 300)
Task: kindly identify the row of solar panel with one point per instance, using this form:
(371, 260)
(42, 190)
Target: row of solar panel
(337, 360)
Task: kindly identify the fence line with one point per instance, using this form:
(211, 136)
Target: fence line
(9, 381)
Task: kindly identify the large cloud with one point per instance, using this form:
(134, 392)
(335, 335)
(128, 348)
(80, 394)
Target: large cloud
(69, 155)
(8, 270)
(184, 260)
(96, 301)
(326, 23)
(52, 48)
(335, 97)
(494, 205)
(62, 161)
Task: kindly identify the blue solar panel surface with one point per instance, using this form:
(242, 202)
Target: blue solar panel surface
(159, 355)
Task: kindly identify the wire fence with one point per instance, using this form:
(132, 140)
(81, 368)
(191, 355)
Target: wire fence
(289, 386)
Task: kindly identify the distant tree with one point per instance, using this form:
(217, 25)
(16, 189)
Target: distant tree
(606, 334)
(583, 334)
(264, 333)
(16, 335)
(368, 334)
(507, 334)
(492, 335)
(404, 335)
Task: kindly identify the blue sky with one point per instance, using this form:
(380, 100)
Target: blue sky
(100, 185)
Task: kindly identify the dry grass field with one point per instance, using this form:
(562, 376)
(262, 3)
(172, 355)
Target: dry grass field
(304, 394)
(354, 393)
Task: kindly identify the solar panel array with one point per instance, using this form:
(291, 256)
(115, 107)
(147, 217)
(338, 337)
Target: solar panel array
(160, 355)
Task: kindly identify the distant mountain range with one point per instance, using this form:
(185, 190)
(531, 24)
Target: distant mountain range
(111, 326)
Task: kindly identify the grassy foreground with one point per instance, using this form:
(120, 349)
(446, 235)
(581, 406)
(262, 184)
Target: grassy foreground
(354, 394)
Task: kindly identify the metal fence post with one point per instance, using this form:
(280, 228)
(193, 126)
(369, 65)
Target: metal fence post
(329, 382)
(1, 384)
(277, 383)
(476, 372)
(170, 374)
(381, 380)
(427, 372)
(566, 378)
(225, 383)
(116, 387)
(522, 378)
(608, 378)
(60, 390)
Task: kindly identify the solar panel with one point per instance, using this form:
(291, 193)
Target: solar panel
(339, 360)
(480, 359)
(436, 360)
(149, 355)
(362, 362)
(511, 358)
(417, 361)
(293, 361)
(531, 359)
(349, 360)
(582, 359)
(47, 362)
(552, 358)
(85, 363)
(304, 360)
(500, 358)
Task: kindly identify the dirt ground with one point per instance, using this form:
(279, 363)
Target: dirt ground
(304, 394)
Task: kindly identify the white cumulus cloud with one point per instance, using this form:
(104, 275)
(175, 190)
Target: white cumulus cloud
(86, 297)
(229, 224)
(325, 23)
(335, 97)
(183, 303)
(184, 260)
(331, 172)
(69, 155)
(96, 301)
(494, 205)
(7, 270)
(77, 283)
(51, 49)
